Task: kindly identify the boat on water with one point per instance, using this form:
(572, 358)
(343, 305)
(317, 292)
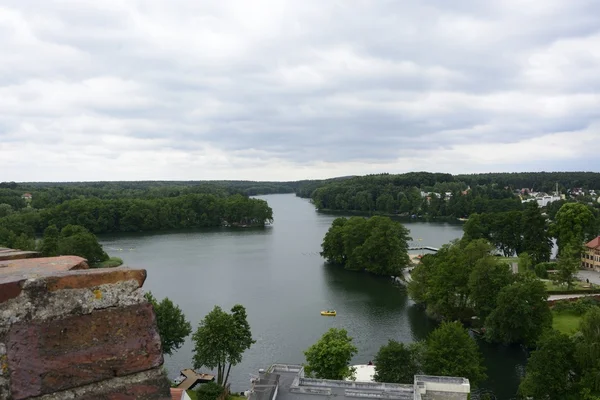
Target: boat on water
(329, 313)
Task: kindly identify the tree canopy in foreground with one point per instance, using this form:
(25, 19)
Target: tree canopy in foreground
(221, 339)
(396, 363)
(330, 356)
(450, 351)
(172, 325)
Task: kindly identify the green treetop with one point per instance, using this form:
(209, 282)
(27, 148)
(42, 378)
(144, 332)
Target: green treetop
(377, 245)
(329, 358)
(172, 325)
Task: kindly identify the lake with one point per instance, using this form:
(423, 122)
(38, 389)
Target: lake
(277, 273)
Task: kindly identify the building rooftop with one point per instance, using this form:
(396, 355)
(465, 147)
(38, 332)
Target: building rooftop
(594, 243)
(364, 373)
(288, 382)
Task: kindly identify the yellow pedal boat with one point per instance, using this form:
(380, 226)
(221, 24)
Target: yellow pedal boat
(328, 313)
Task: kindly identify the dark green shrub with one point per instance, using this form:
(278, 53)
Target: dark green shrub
(541, 271)
(210, 391)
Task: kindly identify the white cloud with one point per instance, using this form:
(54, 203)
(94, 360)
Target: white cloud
(275, 89)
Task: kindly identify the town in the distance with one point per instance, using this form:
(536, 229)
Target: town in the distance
(517, 272)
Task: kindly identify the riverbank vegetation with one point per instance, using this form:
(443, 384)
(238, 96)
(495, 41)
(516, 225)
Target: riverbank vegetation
(135, 215)
(438, 195)
(377, 245)
(112, 207)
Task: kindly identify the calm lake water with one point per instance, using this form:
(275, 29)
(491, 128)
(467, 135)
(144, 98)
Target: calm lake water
(277, 273)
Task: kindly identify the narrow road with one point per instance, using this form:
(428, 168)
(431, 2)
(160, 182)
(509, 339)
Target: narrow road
(570, 296)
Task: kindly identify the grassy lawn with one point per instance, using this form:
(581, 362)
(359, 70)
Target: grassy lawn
(110, 263)
(193, 394)
(565, 322)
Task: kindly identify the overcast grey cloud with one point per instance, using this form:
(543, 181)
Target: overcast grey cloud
(278, 90)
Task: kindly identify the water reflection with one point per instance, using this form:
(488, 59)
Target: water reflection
(505, 369)
(420, 324)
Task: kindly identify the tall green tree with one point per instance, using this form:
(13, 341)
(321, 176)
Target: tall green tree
(172, 325)
(568, 265)
(50, 241)
(536, 238)
(574, 224)
(521, 313)
(450, 351)
(549, 372)
(329, 358)
(441, 281)
(220, 341)
(506, 232)
(396, 363)
(486, 280)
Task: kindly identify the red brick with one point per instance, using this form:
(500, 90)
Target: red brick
(94, 277)
(10, 254)
(14, 273)
(36, 265)
(140, 391)
(45, 357)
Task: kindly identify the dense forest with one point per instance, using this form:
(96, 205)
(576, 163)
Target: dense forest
(48, 194)
(27, 210)
(439, 195)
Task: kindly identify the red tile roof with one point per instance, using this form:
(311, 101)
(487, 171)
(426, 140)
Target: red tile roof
(176, 394)
(594, 243)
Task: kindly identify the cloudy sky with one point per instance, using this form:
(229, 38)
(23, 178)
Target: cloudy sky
(282, 90)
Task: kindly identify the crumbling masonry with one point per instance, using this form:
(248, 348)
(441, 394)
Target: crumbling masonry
(70, 332)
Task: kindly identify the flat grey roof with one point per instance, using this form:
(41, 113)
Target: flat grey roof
(291, 387)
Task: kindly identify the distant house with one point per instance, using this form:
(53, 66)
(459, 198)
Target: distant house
(590, 259)
(27, 196)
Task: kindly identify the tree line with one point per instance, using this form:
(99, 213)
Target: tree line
(47, 194)
(379, 194)
(460, 195)
(134, 215)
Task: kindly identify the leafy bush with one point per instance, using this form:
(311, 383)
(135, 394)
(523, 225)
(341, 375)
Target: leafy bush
(578, 307)
(548, 265)
(541, 271)
(210, 391)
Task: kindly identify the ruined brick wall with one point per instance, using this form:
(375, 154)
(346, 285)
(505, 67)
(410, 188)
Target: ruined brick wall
(69, 332)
